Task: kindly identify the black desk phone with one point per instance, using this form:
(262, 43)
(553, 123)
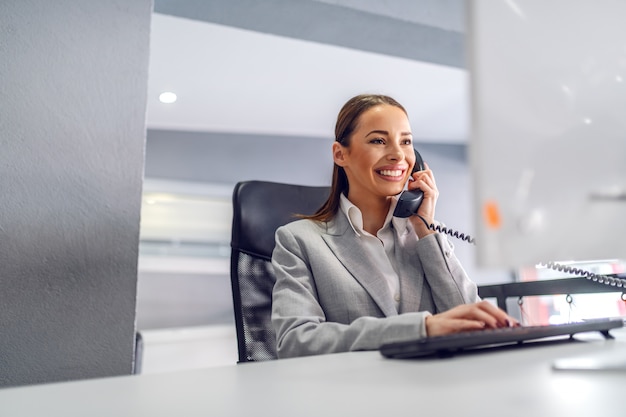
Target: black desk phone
(409, 201)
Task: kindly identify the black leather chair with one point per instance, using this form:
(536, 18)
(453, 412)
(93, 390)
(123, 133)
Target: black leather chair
(259, 208)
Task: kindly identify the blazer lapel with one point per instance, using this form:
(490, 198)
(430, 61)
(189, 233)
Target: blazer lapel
(347, 247)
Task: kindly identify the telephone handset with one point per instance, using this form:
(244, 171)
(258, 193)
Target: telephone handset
(409, 201)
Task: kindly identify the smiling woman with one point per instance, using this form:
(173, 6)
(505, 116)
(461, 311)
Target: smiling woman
(352, 276)
(266, 99)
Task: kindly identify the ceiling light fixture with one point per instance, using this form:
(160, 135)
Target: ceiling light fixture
(167, 97)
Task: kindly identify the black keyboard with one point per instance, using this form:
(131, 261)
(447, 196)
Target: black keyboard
(453, 343)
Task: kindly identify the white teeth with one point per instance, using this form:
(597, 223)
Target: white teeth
(391, 172)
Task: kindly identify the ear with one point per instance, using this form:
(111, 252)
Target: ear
(339, 154)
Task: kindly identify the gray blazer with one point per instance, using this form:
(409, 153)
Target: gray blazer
(329, 296)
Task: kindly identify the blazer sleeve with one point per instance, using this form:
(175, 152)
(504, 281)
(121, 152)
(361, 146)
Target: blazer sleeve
(299, 319)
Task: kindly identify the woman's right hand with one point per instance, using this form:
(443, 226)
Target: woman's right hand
(466, 317)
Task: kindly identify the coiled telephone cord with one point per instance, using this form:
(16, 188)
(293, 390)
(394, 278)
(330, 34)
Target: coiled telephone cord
(613, 281)
(602, 279)
(447, 231)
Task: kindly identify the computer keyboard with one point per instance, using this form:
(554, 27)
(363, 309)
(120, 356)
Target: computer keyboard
(453, 343)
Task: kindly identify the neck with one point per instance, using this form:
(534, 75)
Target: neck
(374, 211)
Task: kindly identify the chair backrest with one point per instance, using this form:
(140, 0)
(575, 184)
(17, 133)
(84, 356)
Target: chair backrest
(259, 208)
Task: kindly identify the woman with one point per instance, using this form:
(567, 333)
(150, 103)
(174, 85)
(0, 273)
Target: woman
(352, 276)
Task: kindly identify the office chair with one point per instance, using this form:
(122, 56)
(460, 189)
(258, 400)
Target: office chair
(259, 208)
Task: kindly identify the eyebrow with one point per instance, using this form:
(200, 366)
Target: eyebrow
(384, 132)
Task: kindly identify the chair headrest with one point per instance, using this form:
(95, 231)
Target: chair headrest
(260, 207)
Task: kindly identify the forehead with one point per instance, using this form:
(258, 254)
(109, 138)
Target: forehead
(383, 115)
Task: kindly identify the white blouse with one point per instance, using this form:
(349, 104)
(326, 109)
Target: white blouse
(380, 247)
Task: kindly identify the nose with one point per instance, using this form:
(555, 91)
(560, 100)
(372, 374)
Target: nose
(395, 153)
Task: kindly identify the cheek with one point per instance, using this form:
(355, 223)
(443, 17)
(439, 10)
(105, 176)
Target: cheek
(360, 161)
(367, 169)
(363, 164)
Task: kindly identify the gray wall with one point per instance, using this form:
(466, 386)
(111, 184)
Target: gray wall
(73, 82)
(226, 158)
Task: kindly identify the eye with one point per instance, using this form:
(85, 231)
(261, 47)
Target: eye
(407, 141)
(377, 141)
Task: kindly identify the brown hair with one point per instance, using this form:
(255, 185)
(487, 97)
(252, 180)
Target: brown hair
(347, 121)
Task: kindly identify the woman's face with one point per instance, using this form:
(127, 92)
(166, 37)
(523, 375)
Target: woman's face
(380, 156)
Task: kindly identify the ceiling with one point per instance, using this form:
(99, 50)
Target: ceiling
(232, 79)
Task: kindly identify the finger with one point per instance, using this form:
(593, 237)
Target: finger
(421, 185)
(429, 192)
(465, 325)
(440, 326)
(425, 180)
(423, 173)
(480, 312)
(490, 321)
(503, 319)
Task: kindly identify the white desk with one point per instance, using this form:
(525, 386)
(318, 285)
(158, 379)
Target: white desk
(510, 382)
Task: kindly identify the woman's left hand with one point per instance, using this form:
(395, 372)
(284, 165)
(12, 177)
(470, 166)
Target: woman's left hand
(425, 181)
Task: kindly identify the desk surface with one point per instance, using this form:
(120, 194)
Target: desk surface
(504, 382)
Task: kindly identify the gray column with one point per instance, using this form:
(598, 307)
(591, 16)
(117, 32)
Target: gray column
(73, 85)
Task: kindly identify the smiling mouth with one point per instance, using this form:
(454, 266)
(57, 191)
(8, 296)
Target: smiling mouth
(392, 173)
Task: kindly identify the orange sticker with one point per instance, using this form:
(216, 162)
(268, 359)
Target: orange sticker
(492, 215)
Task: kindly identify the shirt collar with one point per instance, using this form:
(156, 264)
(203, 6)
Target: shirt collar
(355, 217)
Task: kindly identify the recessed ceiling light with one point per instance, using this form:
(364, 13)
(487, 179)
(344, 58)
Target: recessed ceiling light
(167, 97)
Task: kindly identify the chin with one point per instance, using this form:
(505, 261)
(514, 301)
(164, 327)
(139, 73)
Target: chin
(393, 192)
(391, 189)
